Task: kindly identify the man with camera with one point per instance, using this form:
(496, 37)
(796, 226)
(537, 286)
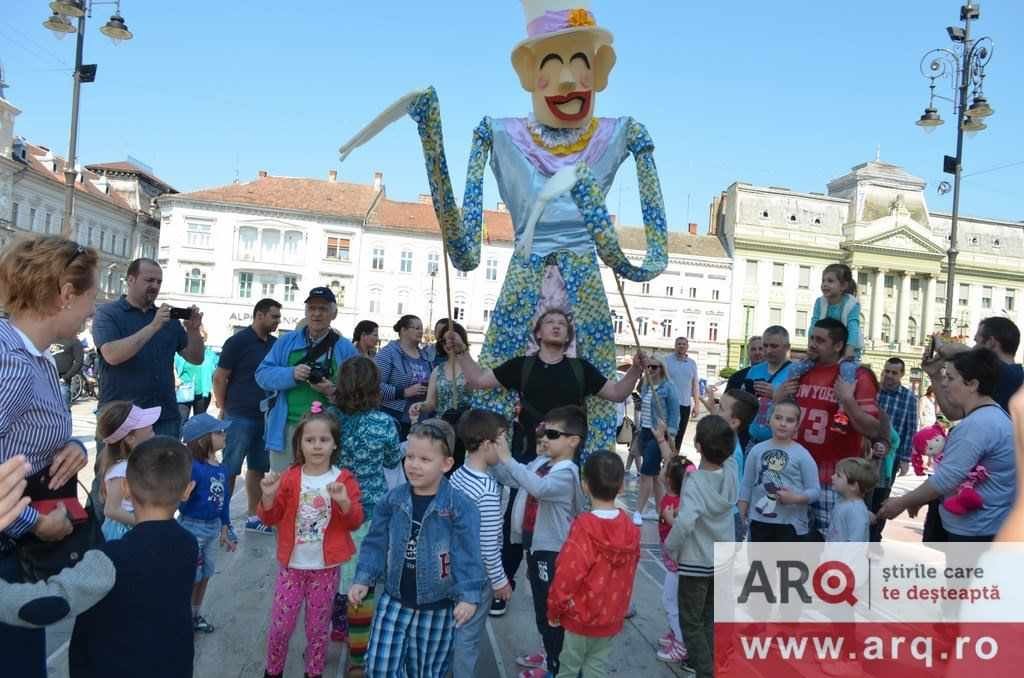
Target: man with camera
(299, 369)
(136, 341)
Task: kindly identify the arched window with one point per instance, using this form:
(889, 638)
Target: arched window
(912, 331)
(886, 329)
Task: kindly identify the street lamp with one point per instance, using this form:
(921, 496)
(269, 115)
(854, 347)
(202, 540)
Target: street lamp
(964, 66)
(116, 30)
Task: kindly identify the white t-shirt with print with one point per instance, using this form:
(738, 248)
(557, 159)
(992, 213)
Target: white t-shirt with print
(311, 520)
(120, 470)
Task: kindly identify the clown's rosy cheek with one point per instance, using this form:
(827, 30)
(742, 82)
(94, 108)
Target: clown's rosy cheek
(542, 83)
(587, 80)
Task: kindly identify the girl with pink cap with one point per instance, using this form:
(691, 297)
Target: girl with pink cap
(121, 425)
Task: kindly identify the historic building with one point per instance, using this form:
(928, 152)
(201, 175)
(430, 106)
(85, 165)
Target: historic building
(876, 220)
(225, 248)
(113, 203)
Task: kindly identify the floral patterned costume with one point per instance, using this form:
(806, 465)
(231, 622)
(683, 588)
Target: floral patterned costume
(574, 230)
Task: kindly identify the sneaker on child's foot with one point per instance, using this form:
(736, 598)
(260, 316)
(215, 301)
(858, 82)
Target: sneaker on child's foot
(498, 608)
(667, 639)
(674, 653)
(254, 524)
(200, 625)
(532, 661)
(638, 518)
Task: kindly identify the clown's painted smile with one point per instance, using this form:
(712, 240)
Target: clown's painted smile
(570, 107)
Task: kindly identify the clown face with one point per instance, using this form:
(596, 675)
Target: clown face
(563, 73)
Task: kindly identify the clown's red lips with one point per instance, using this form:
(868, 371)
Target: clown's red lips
(560, 106)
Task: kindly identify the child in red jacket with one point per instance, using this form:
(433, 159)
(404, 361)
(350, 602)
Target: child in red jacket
(318, 506)
(594, 572)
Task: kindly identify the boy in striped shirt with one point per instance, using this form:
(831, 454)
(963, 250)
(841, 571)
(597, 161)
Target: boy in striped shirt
(484, 435)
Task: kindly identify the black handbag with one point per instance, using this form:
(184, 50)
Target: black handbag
(38, 559)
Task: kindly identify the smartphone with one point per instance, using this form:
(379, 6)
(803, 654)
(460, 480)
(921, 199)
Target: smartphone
(181, 313)
(75, 511)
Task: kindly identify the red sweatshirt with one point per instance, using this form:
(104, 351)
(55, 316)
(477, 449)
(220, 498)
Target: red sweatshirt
(338, 544)
(594, 575)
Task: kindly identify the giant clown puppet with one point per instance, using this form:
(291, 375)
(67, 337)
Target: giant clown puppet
(554, 169)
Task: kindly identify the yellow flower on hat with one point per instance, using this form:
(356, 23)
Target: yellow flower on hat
(581, 17)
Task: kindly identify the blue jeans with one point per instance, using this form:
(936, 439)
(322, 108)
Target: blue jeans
(207, 534)
(244, 440)
(466, 649)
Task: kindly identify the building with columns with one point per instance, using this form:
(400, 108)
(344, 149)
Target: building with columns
(225, 248)
(876, 220)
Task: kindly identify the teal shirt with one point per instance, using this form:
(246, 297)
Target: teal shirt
(849, 307)
(199, 376)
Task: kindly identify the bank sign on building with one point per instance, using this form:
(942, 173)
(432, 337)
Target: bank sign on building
(876, 220)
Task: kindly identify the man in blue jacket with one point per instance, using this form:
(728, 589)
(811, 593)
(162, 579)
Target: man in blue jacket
(298, 370)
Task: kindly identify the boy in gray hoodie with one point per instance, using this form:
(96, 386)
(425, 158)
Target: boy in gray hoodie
(705, 517)
(550, 497)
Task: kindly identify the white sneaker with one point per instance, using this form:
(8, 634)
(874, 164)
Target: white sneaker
(649, 515)
(638, 519)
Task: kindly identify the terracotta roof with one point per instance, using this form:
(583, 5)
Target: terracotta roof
(679, 242)
(125, 167)
(418, 216)
(335, 198)
(34, 155)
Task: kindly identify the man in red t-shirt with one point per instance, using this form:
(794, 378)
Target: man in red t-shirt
(819, 393)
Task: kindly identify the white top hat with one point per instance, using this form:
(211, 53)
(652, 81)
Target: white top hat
(547, 18)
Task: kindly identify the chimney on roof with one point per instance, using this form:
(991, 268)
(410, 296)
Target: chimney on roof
(693, 229)
(263, 174)
(501, 206)
(332, 175)
(378, 182)
(425, 199)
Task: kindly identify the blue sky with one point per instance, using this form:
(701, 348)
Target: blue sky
(775, 93)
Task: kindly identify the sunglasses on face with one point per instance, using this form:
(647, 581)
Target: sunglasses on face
(552, 434)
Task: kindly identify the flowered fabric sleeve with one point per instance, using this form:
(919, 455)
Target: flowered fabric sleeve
(589, 198)
(461, 229)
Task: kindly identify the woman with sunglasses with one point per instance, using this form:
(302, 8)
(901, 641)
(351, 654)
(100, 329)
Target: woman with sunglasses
(658, 402)
(48, 285)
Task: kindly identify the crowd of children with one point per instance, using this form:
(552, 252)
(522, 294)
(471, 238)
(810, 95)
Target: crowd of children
(428, 551)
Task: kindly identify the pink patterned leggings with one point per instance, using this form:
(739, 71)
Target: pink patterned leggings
(316, 588)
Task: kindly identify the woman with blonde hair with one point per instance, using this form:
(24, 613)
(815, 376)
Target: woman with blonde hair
(48, 286)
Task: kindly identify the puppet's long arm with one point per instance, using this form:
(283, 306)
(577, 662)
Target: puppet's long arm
(461, 229)
(589, 198)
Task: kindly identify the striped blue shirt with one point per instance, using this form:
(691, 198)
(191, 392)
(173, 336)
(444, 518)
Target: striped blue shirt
(34, 416)
(486, 493)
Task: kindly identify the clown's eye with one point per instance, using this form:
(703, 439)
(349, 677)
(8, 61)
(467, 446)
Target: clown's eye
(582, 57)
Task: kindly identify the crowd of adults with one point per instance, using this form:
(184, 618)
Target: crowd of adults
(263, 385)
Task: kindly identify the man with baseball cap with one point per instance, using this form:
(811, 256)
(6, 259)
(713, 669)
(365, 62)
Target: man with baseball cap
(299, 369)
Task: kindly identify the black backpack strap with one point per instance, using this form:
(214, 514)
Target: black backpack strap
(314, 352)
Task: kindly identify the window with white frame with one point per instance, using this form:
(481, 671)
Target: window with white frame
(268, 285)
(666, 328)
(293, 250)
(492, 269)
(461, 275)
(801, 323)
(693, 292)
(197, 235)
(641, 326)
(912, 331)
(715, 295)
(270, 245)
(618, 324)
(291, 286)
(691, 329)
(402, 305)
(459, 307)
(377, 261)
(339, 293)
(405, 263)
(778, 275)
(886, 329)
(488, 310)
(805, 277)
(247, 238)
(48, 221)
(670, 291)
(775, 315)
(14, 214)
(711, 365)
(32, 218)
(889, 282)
(338, 248)
(986, 297)
(915, 289)
(751, 272)
(433, 263)
(1011, 297)
(89, 237)
(374, 300)
(195, 281)
(645, 288)
(103, 240)
(965, 293)
(712, 331)
(245, 285)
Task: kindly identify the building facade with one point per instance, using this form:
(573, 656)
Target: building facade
(874, 219)
(113, 211)
(225, 248)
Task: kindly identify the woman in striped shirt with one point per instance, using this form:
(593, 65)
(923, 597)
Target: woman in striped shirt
(48, 286)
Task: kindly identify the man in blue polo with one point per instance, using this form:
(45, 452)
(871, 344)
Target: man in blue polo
(136, 341)
(238, 398)
(301, 368)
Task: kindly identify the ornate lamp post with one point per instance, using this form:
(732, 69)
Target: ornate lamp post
(964, 67)
(117, 31)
